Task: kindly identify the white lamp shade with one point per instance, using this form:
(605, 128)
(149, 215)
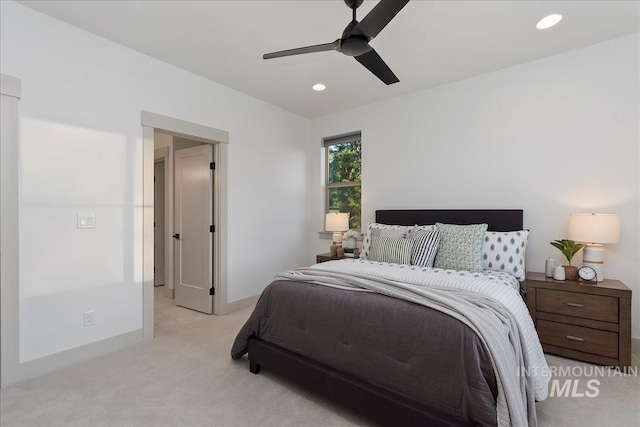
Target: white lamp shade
(336, 222)
(594, 228)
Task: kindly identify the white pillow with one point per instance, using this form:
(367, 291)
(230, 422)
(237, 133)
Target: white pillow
(505, 251)
(381, 230)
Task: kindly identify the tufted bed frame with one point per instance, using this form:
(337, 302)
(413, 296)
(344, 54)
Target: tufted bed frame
(382, 405)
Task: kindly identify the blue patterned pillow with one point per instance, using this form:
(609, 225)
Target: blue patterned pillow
(386, 249)
(504, 251)
(460, 246)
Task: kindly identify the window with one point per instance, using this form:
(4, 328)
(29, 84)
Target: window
(343, 175)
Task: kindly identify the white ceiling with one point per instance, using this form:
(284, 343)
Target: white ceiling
(429, 43)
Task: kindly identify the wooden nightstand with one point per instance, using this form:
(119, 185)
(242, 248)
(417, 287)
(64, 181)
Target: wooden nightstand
(586, 322)
(327, 257)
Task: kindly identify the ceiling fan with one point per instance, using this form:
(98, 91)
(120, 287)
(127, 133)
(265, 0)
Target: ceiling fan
(356, 37)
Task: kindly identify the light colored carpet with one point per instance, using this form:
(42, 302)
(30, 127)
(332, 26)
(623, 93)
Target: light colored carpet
(186, 378)
(169, 317)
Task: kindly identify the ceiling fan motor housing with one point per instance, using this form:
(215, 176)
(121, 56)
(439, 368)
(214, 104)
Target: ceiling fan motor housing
(353, 4)
(354, 46)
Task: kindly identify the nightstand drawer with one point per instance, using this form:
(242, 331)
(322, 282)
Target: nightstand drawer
(596, 307)
(578, 338)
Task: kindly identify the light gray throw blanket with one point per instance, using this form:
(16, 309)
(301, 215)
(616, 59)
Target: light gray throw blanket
(489, 319)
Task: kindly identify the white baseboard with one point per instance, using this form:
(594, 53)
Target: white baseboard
(240, 304)
(33, 368)
(169, 292)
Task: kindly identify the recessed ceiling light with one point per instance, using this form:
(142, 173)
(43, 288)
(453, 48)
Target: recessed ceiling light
(549, 21)
(318, 87)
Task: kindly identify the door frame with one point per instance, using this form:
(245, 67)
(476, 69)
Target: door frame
(152, 122)
(163, 154)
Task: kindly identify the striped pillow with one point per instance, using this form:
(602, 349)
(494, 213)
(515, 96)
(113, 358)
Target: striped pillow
(374, 228)
(419, 229)
(386, 249)
(425, 247)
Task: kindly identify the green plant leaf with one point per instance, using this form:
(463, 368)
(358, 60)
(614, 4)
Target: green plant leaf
(568, 248)
(558, 246)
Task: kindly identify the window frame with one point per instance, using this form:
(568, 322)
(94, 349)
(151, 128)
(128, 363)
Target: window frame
(326, 143)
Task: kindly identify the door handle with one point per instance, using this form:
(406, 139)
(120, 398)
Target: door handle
(176, 236)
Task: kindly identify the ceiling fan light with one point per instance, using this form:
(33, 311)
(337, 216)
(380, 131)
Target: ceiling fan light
(549, 21)
(318, 87)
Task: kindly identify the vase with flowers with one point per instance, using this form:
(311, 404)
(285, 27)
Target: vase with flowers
(568, 248)
(350, 236)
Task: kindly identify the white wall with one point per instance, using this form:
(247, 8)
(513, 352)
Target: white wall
(554, 136)
(81, 152)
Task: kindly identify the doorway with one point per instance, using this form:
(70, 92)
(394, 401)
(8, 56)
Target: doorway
(216, 141)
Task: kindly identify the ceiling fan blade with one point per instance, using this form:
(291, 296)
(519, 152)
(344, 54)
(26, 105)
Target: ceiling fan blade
(379, 17)
(372, 61)
(308, 49)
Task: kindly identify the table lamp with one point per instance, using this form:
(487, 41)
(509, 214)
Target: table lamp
(594, 230)
(338, 223)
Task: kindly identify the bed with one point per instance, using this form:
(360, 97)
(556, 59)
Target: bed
(410, 359)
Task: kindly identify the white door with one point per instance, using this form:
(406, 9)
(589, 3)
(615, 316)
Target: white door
(158, 224)
(193, 218)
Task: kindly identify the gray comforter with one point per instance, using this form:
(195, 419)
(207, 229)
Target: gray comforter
(415, 350)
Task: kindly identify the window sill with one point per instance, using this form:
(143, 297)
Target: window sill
(328, 235)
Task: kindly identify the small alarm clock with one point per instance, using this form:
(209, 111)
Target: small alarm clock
(587, 274)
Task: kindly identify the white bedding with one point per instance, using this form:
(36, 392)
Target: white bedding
(500, 286)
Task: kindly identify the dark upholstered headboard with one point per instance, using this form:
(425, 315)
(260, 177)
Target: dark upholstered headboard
(497, 219)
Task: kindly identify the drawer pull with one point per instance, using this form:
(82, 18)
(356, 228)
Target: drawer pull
(574, 304)
(572, 338)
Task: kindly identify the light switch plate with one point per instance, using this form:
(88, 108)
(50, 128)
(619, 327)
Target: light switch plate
(86, 221)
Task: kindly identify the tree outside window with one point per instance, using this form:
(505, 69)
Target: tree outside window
(343, 176)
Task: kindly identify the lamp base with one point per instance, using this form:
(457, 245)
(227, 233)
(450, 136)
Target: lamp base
(593, 256)
(333, 250)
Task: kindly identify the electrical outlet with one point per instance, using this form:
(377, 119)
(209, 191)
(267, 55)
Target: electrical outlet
(89, 318)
